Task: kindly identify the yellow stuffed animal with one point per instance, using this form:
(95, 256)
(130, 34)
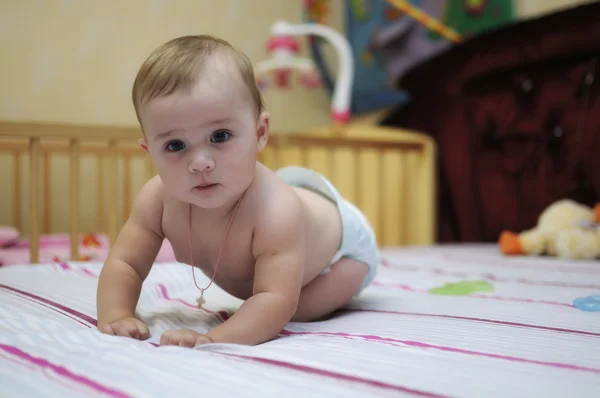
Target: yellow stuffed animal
(566, 229)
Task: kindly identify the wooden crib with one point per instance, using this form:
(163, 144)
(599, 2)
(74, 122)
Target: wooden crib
(387, 173)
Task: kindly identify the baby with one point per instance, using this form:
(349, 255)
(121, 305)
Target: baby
(293, 248)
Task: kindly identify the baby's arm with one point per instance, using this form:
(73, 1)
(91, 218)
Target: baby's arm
(279, 251)
(129, 263)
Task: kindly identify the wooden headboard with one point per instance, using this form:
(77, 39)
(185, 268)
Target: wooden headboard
(84, 178)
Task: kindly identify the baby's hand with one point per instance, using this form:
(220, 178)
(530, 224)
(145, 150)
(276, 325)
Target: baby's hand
(127, 327)
(184, 338)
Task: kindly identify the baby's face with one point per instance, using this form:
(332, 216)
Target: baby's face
(204, 141)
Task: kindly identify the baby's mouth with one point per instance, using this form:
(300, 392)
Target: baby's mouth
(204, 187)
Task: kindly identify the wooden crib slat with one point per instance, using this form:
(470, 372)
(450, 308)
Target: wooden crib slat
(304, 155)
(331, 165)
(100, 222)
(47, 196)
(357, 176)
(126, 186)
(424, 173)
(74, 198)
(381, 233)
(17, 191)
(401, 201)
(34, 222)
(112, 191)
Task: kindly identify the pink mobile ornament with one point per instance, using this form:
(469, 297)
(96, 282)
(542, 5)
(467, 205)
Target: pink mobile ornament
(284, 48)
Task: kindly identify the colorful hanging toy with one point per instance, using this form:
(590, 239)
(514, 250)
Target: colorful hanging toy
(426, 20)
(284, 48)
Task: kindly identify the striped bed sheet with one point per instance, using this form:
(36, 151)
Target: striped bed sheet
(448, 321)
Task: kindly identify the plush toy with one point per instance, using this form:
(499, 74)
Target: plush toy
(565, 229)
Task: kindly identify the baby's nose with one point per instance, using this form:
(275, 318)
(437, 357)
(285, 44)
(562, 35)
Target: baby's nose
(201, 162)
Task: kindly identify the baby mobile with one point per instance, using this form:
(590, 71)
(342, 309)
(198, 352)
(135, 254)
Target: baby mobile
(279, 70)
(284, 48)
(285, 65)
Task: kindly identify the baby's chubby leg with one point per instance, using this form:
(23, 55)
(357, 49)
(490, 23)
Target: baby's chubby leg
(330, 291)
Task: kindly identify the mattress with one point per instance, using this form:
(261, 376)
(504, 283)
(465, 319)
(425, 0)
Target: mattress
(455, 321)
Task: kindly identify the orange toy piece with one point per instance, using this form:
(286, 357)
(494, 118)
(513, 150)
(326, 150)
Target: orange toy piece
(565, 229)
(90, 240)
(509, 244)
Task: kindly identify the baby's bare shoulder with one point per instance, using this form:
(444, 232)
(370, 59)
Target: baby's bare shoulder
(279, 217)
(148, 207)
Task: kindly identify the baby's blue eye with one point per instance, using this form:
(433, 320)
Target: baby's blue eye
(175, 146)
(220, 136)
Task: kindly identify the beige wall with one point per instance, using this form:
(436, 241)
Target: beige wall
(67, 60)
(74, 61)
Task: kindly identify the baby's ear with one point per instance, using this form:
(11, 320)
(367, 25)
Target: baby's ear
(262, 131)
(143, 144)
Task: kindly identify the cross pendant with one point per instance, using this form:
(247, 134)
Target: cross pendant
(200, 300)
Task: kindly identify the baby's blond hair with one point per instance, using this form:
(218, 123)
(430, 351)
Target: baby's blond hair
(176, 65)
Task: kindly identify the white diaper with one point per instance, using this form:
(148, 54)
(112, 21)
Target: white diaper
(358, 238)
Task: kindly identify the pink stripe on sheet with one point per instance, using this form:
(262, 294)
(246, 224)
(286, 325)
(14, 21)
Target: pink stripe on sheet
(334, 375)
(64, 265)
(61, 371)
(71, 311)
(479, 296)
(494, 278)
(540, 265)
(87, 272)
(526, 281)
(399, 286)
(466, 318)
(224, 316)
(31, 367)
(50, 307)
(374, 338)
(520, 300)
(379, 339)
